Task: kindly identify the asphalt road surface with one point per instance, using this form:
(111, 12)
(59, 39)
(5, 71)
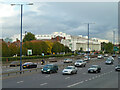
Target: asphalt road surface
(108, 78)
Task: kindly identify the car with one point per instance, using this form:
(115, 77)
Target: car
(117, 68)
(67, 60)
(14, 64)
(87, 58)
(70, 70)
(111, 58)
(114, 55)
(100, 56)
(118, 58)
(28, 65)
(109, 61)
(80, 63)
(106, 55)
(94, 69)
(50, 68)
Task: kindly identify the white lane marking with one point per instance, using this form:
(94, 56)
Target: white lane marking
(75, 84)
(20, 81)
(67, 77)
(86, 80)
(43, 84)
(93, 78)
(47, 76)
(96, 76)
(89, 78)
(84, 73)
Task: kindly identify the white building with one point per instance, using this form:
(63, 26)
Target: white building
(78, 42)
(73, 42)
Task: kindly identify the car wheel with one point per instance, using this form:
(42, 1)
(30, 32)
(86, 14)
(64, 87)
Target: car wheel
(84, 65)
(76, 72)
(50, 72)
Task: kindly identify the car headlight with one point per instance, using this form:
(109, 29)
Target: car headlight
(41, 69)
(48, 70)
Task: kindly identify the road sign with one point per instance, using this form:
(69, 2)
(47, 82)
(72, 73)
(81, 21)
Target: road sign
(116, 48)
(29, 52)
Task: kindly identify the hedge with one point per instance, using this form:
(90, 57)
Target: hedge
(32, 57)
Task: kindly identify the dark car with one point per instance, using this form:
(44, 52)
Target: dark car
(29, 65)
(50, 68)
(94, 69)
(14, 64)
(117, 68)
(114, 55)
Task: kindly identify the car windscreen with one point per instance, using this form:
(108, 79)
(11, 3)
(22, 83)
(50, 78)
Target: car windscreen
(79, 61)
(47, 66)
(68, 67)
(93, 66)
(14, 62)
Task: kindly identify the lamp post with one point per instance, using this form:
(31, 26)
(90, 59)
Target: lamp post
(21, 5)
(88, 24)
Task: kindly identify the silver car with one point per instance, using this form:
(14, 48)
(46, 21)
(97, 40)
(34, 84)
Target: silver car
(70, 70)
(80, 63)
(68, 60)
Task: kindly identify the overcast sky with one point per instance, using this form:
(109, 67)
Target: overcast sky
(67, 17)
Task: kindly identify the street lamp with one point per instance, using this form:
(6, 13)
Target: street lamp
(21, 5)
(88, 35)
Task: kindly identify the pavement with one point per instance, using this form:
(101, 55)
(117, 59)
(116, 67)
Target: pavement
(108, 78)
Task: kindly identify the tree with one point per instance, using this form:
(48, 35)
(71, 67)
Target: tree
(5, 50)
(29, 37)
(12, 49)
(57, 47)
(67, 49)
(107, 47)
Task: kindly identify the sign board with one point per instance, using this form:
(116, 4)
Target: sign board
(116, 48)
(29, 52)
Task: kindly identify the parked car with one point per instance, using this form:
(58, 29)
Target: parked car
(109, 61)
(94, 68)
(70, 70)
(50, 68)
(87, 58)
(67, 60)
(14, 64)
(80, 63)
(106, 55)
(100, 56)
(117, 68)
(29, 65)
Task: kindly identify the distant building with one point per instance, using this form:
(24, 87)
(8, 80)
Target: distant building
(73, 42)
(101, 40)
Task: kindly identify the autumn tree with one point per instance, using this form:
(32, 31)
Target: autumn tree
(12, 49)
(5, 50)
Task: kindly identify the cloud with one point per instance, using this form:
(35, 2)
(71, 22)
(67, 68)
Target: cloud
(45, 18)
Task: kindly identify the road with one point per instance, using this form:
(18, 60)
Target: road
(108, 78)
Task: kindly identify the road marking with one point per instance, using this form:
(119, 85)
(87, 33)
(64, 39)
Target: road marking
(47, 76)
(75, 84)
(86, 80)
(20, 81)
(67, 77)
(84, 73)
(93, 78)
(43, 84)
(90, 79)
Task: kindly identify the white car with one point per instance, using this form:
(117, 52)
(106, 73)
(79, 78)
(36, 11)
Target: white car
(68, 60)
(106, 55)
(79, 63)
(100, 56)
(70, 70)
